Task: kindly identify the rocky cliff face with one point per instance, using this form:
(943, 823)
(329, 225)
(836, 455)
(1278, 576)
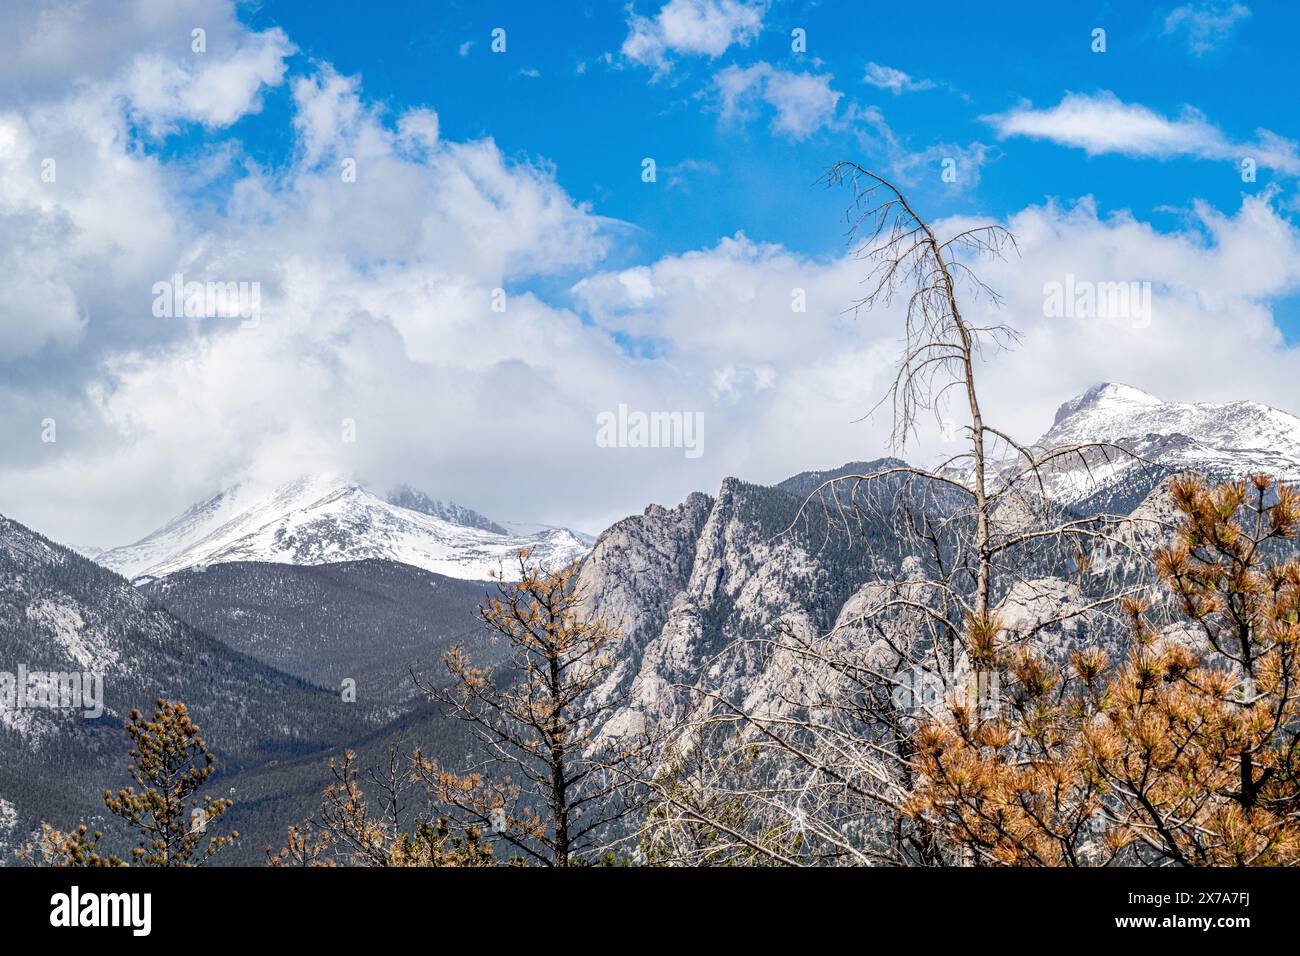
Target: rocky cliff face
(719, 574)
(716, 571)
(633, 576)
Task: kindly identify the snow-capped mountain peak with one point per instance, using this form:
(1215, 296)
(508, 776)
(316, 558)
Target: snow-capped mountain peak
(405, 496)
(328, 518)
(1218, 440)
(1106, 395)
(1111, 412)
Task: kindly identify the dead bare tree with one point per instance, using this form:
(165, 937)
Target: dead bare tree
(831, 746)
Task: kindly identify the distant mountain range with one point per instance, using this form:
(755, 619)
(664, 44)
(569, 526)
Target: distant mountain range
(328, 519)
(253, 608)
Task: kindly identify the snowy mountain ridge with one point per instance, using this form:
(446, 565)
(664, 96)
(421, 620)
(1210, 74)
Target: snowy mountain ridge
(404, 496)
(325, 519)
(1218, 440)
(1246, 429)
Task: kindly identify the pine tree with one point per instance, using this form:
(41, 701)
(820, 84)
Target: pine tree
(171, 764)
(538, 720)
(1187, 751)
(347, 832)
(79, 847)
(1202, 744)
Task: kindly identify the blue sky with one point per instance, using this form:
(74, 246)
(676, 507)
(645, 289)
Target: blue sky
(597, 125)
(500, 268)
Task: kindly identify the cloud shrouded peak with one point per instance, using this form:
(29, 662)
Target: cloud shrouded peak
(437, 308)
(384, 259)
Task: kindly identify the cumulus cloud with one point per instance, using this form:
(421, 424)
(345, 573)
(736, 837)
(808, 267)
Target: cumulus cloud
(398, 269)
(90, 217)
(1103, 123)
(788, 385)
(1210, 336)
(802, 103)
(692, 28)
(378, 302)
(86, 222)
(1205, 26)
(214, 88)
(190, 60)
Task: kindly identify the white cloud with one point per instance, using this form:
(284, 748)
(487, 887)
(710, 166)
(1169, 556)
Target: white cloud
(1205, 26)
(328, 117)
(896, 81)
(692, 28)
(1211, 334)
(802, 102)
(40, 307)
(679, 175)
(1103, 123)
(787, 386)
(46, 49)
(214, 88)
(91, 219)
(377, 306)
(142, 51)
(84, 221)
